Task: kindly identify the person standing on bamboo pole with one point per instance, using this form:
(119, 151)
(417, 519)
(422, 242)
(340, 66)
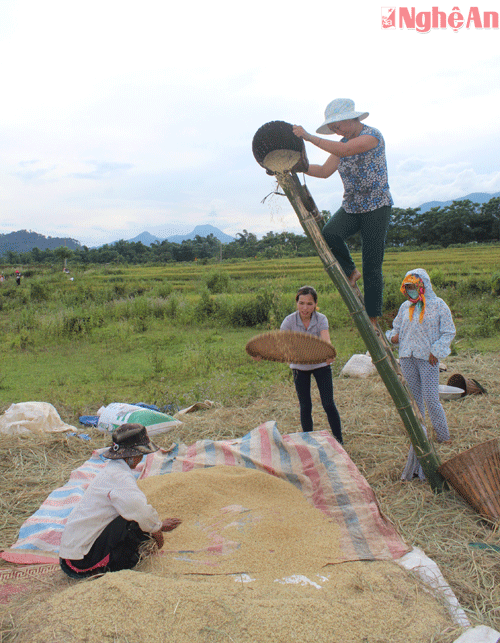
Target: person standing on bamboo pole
(306, 319)
(360, 160)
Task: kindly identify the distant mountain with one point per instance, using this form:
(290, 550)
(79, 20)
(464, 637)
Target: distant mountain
(24, 241)
(201, 231)
(145, 238)
(475, 197)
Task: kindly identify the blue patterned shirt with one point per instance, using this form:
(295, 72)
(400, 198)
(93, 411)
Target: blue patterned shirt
(366, 185)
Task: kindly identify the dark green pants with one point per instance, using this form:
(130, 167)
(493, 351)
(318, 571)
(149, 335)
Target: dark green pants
(373, 229)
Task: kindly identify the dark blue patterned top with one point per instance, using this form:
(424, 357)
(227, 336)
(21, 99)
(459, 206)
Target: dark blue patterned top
(366, 186)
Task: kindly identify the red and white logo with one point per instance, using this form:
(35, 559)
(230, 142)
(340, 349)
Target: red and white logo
(436, 19)
(388, 17)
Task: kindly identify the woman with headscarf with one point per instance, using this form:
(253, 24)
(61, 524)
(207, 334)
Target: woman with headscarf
(360, 160)
(113, 524)
(424, 330)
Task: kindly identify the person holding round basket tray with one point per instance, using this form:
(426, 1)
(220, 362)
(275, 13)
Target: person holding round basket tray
(307, 319)
(360, 160)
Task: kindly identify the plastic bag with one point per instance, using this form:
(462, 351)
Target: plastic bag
(116, 414)
(359, 366)
(29, 417)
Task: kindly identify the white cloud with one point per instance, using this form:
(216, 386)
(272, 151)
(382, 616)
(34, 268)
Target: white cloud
(431, 182)
(122, 117)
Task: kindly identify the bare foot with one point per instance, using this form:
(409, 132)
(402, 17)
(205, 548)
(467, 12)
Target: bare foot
(375, 325)
(355, 275)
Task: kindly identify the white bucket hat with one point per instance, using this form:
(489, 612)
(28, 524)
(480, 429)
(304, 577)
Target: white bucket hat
(340, 109)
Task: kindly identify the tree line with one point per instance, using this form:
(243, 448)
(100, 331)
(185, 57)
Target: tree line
(246, 245)
(461, 222)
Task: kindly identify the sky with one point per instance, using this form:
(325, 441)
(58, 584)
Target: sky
(118, 117)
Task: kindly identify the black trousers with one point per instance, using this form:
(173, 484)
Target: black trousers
(116, 548)
(323, 377)
(373, 227)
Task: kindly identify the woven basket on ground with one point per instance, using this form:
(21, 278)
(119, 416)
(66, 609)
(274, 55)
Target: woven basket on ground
(469, 387)
(475, 475)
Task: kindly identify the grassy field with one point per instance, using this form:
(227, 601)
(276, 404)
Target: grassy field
(171, 334)
(176, 334)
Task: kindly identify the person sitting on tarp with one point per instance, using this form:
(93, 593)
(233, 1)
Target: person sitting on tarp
(113, 524)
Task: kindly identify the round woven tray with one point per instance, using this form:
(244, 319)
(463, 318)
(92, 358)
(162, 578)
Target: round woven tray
(290, 346)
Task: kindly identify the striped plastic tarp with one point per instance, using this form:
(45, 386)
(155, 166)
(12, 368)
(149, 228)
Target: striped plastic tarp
(314, 462)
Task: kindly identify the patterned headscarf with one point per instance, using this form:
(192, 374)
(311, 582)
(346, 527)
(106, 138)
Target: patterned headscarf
(419, 302)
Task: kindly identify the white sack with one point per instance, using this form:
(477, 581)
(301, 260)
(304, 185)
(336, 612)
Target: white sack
(480, 634)
(28, 417)
(359, 366)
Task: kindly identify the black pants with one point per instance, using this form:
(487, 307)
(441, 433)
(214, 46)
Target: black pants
(323, 377)
(115, 549)
(373, 227)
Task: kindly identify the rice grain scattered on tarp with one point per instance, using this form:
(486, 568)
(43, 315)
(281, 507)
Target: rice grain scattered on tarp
(235, 520)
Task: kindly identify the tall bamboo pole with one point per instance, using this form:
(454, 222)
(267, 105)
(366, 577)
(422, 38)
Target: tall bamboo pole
(376, 343)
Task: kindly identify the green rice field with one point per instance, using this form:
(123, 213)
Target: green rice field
(174, 333)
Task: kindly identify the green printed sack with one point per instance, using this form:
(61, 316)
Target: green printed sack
(116, 414)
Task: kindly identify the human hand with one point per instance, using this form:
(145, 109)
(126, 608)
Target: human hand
(433, 360)
(299, 131)
(395, 339)
(158, 536)
(170, 523)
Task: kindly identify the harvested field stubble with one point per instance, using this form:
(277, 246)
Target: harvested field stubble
(447, 529)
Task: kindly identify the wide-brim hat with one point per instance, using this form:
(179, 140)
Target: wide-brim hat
(130, 440)
(340, 109)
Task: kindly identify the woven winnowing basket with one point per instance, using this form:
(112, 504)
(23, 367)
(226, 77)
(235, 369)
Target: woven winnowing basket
(290, 346)
(278, 135)
(475, 475)
(469, 387)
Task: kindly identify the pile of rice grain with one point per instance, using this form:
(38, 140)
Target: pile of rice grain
(250, 562)
(362, 602)
(239, 520)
